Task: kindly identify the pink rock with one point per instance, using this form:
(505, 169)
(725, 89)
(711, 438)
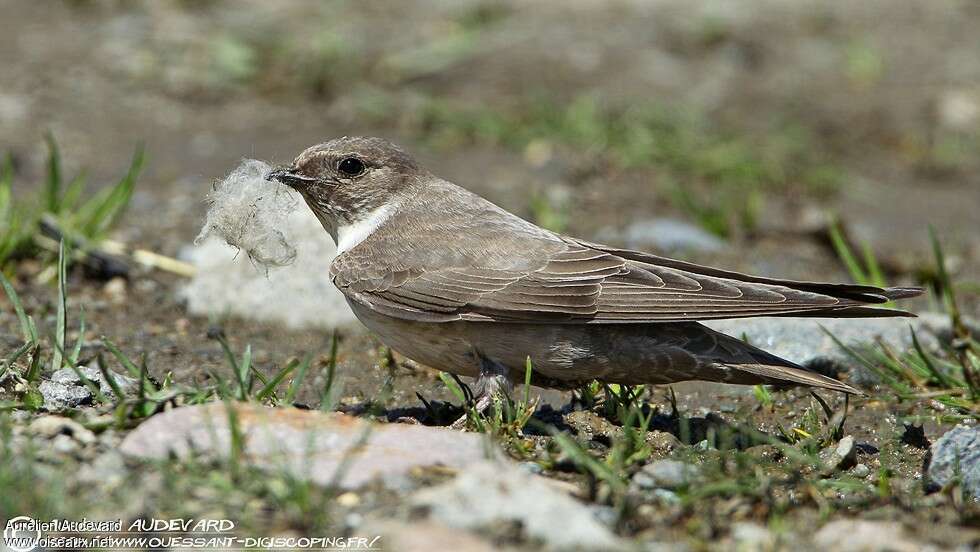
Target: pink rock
(306, 444)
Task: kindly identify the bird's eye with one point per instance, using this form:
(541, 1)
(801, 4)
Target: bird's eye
(351, 166)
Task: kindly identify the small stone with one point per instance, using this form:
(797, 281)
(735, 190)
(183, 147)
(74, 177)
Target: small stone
(53, 426)
(841, 456)
(956, 455)
(665, 497)
(590, 425)
(348, 500)
(665, 474)
(861, 470)
(703, 446)
(663, 441)
(67, 376)
(489, 494)
(115, 290)
(531, 467)
(59, 396)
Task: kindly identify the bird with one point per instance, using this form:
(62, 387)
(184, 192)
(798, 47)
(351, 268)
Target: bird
(453, 281)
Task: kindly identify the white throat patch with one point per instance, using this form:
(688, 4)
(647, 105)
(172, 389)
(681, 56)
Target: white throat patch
(349, 235)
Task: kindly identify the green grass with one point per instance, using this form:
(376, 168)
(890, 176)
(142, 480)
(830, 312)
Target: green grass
(864, 270)
(950, 376)
(27, 364)
(505, 418)
(60, 210)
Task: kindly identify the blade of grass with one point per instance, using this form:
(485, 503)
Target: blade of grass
(846, 255)
(52, 188)
(121, 357)
(273, 384)
(453, 387)
(293, 390)
(326, 402)
(26, 325)
(62, 323)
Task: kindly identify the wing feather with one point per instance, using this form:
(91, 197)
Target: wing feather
(591, 283)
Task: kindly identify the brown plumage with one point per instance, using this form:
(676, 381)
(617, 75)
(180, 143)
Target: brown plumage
(454, 281)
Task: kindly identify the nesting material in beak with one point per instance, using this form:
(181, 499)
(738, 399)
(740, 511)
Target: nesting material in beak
(248, 210)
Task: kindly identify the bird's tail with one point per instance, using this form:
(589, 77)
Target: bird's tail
(733, 361)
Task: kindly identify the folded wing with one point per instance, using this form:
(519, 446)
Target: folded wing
(584, 283)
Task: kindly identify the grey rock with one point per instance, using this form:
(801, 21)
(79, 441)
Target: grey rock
(662, 441)
(664, 235)
(531, 467)
(861, 470)
(802, 340)
(840, 456)
(67, 376)
(305, 444)
(957, 455)
(488, 494)
(589, 424)
(60, 396)
(665, 474)
(865, 536)
(666, 497)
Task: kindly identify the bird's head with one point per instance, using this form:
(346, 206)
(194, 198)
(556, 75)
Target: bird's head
(346, 179)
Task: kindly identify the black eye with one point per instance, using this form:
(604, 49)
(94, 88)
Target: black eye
(351, 166)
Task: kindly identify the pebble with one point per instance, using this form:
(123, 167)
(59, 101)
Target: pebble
(861, 470)
(957, 455)
(348, 500)
(840, 456)
(665, 474)
(64, 390)
(663, 441)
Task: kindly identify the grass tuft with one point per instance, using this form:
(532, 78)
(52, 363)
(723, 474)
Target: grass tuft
(60, 209)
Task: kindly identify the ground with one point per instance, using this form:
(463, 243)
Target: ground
(754, 124)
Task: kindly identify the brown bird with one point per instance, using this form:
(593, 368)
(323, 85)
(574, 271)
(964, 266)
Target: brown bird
(455, 282)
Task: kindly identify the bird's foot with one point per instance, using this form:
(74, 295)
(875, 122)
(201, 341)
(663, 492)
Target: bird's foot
(492, 384)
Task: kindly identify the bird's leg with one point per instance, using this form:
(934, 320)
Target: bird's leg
(493, 382)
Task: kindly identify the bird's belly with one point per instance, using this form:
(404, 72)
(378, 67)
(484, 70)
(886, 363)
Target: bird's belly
(568, 353)
(438, 345)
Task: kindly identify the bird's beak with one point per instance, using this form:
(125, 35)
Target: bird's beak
(289, 177)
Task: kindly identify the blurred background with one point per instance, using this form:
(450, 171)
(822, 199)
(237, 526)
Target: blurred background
(705, 127)
(807, 139)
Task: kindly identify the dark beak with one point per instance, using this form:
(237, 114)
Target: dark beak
(289, 177)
